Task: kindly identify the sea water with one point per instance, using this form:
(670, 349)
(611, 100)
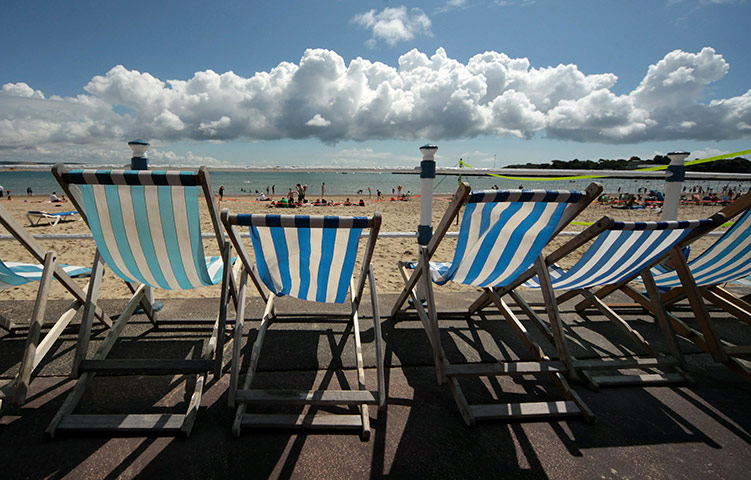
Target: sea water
(356, 184)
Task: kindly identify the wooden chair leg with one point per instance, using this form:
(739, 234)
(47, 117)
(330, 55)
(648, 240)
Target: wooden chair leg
(381, 380)
(30, 355)
(237, 338)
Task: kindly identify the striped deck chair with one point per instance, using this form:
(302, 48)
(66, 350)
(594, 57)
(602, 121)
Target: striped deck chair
(619, 253)
(13, 274)
(726, 260)
(147, 230)
(502, 235)
(311, 258)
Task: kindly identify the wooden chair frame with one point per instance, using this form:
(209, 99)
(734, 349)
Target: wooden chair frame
(86, 368)
(673, 363)
(541, 365)
(706, 337)
(37, 347)
(240, 397)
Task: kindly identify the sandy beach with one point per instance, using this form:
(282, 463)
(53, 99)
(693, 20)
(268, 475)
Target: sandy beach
(398, 216)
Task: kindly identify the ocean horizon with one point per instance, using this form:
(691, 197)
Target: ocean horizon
(242, 181)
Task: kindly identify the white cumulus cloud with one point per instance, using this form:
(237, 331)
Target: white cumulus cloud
(394, 24)
(423, 96)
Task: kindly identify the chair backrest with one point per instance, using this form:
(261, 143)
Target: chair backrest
(727, 259)
(622, 250)
(146, 223)
(504, 231)
(307, 257)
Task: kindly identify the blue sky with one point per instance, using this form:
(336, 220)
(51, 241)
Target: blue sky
(346, 82)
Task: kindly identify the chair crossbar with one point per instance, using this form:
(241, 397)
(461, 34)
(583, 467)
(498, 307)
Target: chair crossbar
(308, 397)
(320, 421)
(299, 221)
(131, 177)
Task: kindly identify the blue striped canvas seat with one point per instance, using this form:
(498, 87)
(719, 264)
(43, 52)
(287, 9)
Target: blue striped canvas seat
(501, 235)
(620, 253)
(147, 228)
(146, 225)
(13, 274)
(310, 258)
(728, 259)
(500, 243)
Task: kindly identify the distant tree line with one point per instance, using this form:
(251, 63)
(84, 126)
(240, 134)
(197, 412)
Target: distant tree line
(734, 165)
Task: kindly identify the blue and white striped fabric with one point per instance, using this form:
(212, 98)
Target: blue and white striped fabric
(501, 235)
(13, 274)
(310, 260)
(620, 253)
(728, 259)
(147, 227)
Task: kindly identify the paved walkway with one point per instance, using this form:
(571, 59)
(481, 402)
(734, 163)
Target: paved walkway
(691, 431)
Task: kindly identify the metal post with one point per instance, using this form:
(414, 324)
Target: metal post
(674, 177)
(427, 174)
(139, 160)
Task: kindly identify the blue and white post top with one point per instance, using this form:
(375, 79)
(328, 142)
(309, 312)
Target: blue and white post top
(139, 160)
(427, 174)
(676, 171)
(674, 176)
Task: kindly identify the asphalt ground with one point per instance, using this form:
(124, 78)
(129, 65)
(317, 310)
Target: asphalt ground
(700, 429)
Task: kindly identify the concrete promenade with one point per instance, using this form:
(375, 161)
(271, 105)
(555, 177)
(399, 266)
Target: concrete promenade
(699, 430)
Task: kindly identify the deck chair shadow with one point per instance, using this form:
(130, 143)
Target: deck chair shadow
(147, 230)
(616, 253)
(701, 280)
(36, 347)
(311, 258)
(502, 235)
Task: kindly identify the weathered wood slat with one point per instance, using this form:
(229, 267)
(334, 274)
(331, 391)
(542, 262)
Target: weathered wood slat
(740, 351)
(524, 410)
(130, 423)
(308, 397)
(648, 378)
(322, 421)
(633, 362)
(510, 368)
(146, 366)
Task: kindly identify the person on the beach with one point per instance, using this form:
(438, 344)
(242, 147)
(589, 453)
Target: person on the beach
(362, 203)
(1, 191)
(28, 191)
(221, 193)
(54, 198)
(370, 194)
(323, 189)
